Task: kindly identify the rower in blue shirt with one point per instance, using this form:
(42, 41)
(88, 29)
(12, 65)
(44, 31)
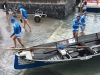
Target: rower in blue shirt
(76, 23)
(84, 6)
(83, 21)
(23, 14)
(17, 32)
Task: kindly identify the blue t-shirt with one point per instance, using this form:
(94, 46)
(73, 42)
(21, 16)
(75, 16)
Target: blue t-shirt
(17, 28)
(76, 24)
(24, 13)
(84, 7)
(83, 20)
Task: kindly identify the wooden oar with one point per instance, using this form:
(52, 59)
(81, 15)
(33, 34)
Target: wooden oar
(31, 48)
(46, 52)
(48, 48)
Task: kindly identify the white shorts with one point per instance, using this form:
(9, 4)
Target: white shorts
(18, 35)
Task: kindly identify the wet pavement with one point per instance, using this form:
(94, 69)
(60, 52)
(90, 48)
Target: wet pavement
(40, 33)
(48, 30)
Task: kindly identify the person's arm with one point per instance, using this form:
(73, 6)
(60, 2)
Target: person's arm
(83, 20)
(14, 31)
(21, 16)
(73, 22)
(80, 23)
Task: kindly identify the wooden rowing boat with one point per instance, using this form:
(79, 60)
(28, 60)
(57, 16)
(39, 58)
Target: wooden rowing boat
(84, 48)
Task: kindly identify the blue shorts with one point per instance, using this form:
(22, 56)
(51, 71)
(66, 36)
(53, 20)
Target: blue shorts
(75, 30)
(18, 35)
(83, 24)
(7, 11)
(25, 17)
(82, 28)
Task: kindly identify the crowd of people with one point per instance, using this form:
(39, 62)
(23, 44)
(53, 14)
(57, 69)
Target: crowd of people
(78, 22)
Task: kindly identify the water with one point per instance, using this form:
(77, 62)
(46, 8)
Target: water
(87, 67)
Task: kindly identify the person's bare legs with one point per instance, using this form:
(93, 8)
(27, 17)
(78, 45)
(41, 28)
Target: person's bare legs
(20, 41)
(82, 30)
(26, 22)
(97, 2)
(75, 34)
(7, 15)
(14, 39)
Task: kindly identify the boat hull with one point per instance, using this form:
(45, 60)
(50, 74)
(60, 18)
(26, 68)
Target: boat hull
(32, 65)
(43, 63)
(93, 9)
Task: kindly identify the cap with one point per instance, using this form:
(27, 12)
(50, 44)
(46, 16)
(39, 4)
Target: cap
(12, 19)
(19, 6)
(85, 12)
(78, 16)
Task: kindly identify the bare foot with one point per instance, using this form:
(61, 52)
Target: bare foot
(83, 33)
(23, 27)
(80, 32)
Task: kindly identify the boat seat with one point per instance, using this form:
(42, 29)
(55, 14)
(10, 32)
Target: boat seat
(74, 54)
(88, 48)
(28, 55)
(25, 55)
